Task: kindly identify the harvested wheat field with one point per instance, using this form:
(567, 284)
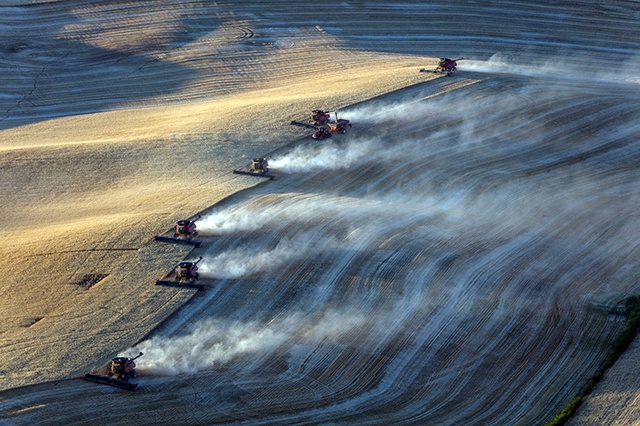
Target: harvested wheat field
(454, 258)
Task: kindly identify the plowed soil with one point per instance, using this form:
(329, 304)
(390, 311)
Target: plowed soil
(456, 257)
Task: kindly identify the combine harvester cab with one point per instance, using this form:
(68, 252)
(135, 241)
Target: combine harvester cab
(186, 275)
(258, 167)
(445, 66)
(322, 132)
(186, 229)
(183, 233)
(119, 373)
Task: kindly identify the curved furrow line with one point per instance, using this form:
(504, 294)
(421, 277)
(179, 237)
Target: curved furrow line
(386, 392)
(273, 298)
(110, 40)
(454, 153)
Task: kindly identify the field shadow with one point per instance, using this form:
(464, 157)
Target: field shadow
(56, 62)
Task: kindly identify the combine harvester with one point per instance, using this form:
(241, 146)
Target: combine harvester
(446, 65)
(325, 123)
(119, 373)
(258, 167)
(183, 233)
(186, 275)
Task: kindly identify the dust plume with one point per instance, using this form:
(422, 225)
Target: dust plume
(231, 220)
(214, 342)
(245, 261)
(327, 156)
(557, 67)
(500, 64)
(209, 343)
(405, 111)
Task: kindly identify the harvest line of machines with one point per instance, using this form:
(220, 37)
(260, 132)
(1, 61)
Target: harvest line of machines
(120, 370)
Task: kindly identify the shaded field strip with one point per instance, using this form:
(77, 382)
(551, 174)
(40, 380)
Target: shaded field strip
(85, 250)
(571, 160)
(618, 347)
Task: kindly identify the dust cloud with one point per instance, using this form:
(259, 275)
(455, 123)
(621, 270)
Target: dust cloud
(461, 210)
(556, 66)
(214, 342)
(230, 220)
(327, 156)
(246, 261)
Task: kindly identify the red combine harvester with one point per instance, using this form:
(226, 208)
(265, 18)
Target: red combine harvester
(258, 167)
(119, 373)
(186, 276)
(324, 123)
(184, 232)
(446, 65)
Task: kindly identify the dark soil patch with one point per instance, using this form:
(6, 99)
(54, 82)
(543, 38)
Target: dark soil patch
(90, 280)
